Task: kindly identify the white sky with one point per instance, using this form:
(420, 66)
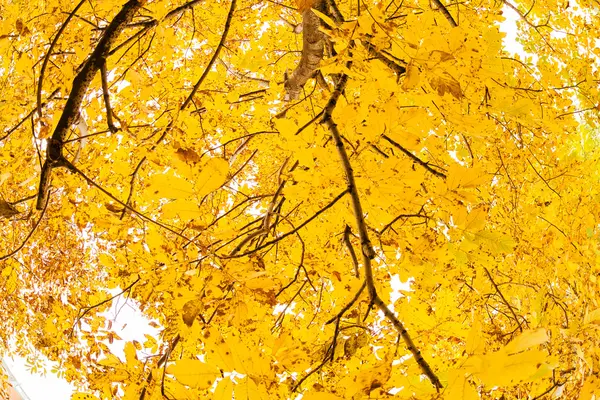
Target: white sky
(128, 323)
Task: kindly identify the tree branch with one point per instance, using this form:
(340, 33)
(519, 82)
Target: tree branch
(445, 12)
(302, 225)
(512, 311)
(81, 83)
(413, 157)
(90, 308)
(215, 55)
(368, 253)
(312, 52)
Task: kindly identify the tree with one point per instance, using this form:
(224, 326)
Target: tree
(254, 175)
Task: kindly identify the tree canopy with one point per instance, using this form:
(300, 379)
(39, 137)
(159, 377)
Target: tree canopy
(338, 199)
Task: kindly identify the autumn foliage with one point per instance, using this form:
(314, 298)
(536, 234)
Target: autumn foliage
(261, 179)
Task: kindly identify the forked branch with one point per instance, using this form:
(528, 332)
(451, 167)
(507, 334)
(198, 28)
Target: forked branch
(368, 253)
(81, 83)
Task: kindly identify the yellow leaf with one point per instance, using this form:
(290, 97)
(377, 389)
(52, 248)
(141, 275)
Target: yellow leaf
(459, 388)
(110, 361)
(50, 327)
(502, 369)
(182, 208)
(412, 76)
(213, 174)
(286, 126)
(261, 283)
(475, 341)
(496, 242)
(590, 389)
(224, 390)
(130, 353)
(167, 185)
(459, 176)
(248, 390)
(527, 339)
(592, 317)
(324, 18)
(194, 373)
(320, 396)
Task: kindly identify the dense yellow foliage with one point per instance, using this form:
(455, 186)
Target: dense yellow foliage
(262, 236)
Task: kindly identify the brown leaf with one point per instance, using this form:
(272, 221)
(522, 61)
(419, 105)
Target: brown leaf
(7, 210)
(113, 208)
(191, 309)
(21, 27)
(187, 155)
(445, 83)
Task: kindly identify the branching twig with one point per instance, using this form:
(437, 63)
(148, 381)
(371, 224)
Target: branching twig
(405, 216)
(512, 311)
(128, 207)
(543, 180)
(344, 309)
(161, 362)
(302, 225)
(83, 312)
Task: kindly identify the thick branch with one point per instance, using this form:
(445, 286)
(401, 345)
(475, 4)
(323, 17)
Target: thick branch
(347, 233)
(81, 82)
(312, 52)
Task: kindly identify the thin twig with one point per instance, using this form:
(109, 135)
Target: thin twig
(445, 12)
(28, 116)
(302, 225)
(128, 207)
(90, 308)
(543, 179)
(214, 57)
(413, 157)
